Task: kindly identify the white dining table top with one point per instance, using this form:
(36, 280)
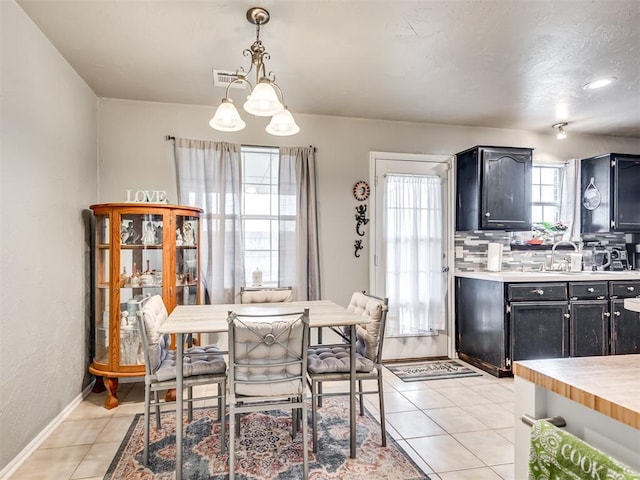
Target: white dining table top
(213, 318)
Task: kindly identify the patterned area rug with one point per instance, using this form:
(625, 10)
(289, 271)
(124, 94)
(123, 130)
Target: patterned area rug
(433, 370)
(265, 449)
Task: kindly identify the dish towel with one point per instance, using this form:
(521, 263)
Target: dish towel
(556, 454)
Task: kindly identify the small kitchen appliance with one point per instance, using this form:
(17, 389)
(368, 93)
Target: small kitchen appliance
(619, 260)
(601, 258)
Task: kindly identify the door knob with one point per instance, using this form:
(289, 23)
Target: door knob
(488, 214)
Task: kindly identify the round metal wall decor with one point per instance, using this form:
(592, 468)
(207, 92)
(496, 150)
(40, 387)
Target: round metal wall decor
(591, 197)
(361, 191)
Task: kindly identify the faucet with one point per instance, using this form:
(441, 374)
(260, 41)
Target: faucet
(555, 245)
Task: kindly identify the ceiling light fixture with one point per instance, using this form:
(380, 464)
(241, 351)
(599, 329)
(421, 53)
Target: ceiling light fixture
(265, 100)
(560, 127)
(601, 82)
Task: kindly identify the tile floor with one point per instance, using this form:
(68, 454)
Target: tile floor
(455, 429)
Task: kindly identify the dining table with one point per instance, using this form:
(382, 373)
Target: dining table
(202, 319)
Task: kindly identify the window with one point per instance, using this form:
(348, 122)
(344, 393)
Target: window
(260, 212)
(546, 193)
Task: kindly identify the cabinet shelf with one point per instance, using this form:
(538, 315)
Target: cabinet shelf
(117, 343)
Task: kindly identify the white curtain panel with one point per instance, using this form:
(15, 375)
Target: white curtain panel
(571, 200)
(209, 176)
(298, 253)
(413, 235)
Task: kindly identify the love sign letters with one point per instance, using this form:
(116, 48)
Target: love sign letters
(147, 196)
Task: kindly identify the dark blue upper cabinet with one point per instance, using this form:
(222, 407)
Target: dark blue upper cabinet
(610, 193)
(493, 188)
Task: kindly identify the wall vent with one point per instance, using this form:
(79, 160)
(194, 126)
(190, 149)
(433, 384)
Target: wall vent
(222, 78)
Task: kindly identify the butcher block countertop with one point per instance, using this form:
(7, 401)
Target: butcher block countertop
(632, 304)
(608, 384)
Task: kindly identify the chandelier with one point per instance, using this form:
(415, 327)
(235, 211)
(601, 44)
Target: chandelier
(265, 99)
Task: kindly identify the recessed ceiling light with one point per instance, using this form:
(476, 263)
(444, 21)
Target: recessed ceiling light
(601, 82)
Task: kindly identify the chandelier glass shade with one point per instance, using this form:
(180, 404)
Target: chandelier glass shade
(282, 124)
(227, 118)
(265, 99)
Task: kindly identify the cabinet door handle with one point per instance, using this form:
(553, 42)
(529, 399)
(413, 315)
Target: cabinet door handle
(607, 314)
(566, 315)
(616, 313)
(539, 291)
(630, 289)
(488, 214)
(591, 289)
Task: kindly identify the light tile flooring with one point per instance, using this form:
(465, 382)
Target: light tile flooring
(455, 429)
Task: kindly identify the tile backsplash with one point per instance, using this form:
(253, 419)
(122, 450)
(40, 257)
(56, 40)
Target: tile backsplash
(471, 250)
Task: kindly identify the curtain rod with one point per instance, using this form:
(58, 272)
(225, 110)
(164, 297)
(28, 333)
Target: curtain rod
(171, 137)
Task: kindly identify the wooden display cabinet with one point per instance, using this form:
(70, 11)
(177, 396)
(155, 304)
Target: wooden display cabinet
(139, 250)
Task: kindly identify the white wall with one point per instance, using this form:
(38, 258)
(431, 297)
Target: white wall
(134, 155)
(48, 175)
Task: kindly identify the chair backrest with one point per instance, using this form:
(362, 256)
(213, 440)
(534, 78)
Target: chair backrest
(266, 295)
(370, 337)
(155, 345)
(268, 354)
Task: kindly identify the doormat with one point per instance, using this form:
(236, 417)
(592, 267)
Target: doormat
(433, 370)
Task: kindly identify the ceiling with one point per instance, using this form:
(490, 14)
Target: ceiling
(493, 63)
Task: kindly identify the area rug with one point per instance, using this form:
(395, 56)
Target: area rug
(265, 449)
(432, 370)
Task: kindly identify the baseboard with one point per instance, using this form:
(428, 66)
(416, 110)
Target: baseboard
(14, 464)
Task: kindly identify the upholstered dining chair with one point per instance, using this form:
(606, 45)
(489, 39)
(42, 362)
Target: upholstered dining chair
(331, 363)
(267, 370)
(201, 365)
(266, 295)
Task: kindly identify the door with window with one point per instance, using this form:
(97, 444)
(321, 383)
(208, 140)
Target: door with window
(409, 243)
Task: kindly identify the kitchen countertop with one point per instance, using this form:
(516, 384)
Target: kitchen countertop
(609, 384)
(513, 277)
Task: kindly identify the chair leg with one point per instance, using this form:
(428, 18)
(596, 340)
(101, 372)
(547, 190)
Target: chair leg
(232, 443)
(294, 419)
(382, 420)
(189, 404)
(156, 399)
(147, 400)
(222, 388)
(314, 415)
(305, 453)
(361, 395)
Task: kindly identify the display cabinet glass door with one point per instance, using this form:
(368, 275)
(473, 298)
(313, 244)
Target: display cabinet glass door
(186, 268)
(102, 290)
(141, 267)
